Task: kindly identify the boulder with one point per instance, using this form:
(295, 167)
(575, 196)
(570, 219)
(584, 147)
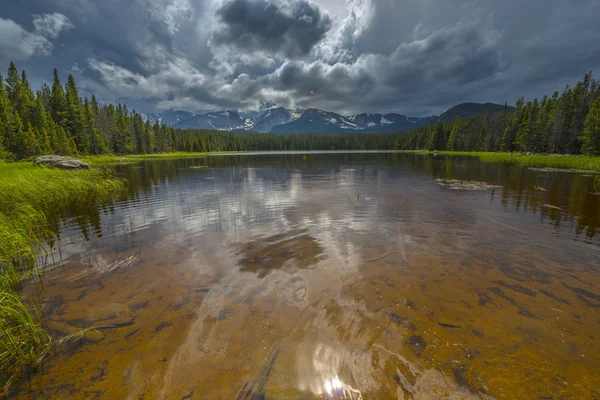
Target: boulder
(61, 162)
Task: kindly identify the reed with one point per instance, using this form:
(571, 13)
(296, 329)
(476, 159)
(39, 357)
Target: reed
(28, 195)
(23, 341)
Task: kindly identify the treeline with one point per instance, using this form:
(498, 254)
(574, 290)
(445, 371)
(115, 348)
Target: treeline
(56, 120)
(566, 123)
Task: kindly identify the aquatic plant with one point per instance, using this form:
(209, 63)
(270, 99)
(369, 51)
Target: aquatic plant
(23, 341)
(98, 270)
(28, 195)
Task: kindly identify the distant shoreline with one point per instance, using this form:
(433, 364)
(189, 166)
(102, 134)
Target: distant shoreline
(566, 162)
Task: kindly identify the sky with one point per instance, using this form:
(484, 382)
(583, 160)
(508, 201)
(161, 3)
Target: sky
(414, 57)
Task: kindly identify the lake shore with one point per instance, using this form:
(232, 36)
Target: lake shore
(567, 162)
(28, 196)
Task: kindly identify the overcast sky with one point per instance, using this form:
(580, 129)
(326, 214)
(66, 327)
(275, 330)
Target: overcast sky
(415, 57)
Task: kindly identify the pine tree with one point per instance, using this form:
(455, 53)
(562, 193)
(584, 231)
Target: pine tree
(437, 137)
(26, 99)
(96, 140)
(58, 101)
(4, 117)
(591, 137)
(62, 144)
(45, 93)
(150, 139)
(514, 123)
(562, 123)
(74, 121)
(39, 121)
(13, 83)
(31, 143)
(523, 137)
(18, 139)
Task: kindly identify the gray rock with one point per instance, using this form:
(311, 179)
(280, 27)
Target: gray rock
(61, 162)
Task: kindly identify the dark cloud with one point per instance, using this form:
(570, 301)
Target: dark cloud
(416, 57)
(292, 28)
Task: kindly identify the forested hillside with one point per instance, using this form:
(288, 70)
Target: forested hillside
(566, 123)
(56, 120)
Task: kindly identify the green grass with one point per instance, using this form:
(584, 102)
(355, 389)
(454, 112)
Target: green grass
(23, 342)
(588, 163)
(28, 195)
(111, 159)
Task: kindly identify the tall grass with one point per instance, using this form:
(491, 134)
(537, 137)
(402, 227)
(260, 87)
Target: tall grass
(111, 159)
(23, 341)
(28, 195)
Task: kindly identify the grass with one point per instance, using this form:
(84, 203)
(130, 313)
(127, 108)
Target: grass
(588, 163)
(112, 159)
(28, 195)
(23, 341)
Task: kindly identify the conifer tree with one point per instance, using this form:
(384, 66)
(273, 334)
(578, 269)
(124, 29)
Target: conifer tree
(74, 121)
(57, 101)
(96, 140)
(13, 83)
(591, 137)
(18, 138)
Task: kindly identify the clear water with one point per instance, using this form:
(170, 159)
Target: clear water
(316, 275)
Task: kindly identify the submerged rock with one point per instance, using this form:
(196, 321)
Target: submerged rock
(61, 162)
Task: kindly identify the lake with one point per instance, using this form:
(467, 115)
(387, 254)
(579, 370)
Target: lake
(328, 275)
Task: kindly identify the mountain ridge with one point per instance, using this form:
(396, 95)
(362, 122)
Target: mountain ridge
(314, 121)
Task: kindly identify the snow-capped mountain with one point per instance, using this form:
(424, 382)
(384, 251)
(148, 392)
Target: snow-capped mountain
(318, 121)
(171, 117)
(389, 122)
(272, 118)
(281, 120)
(222, 120)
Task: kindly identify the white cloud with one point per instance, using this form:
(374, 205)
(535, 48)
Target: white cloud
(51, 25)
(16, 44)
(172, 13)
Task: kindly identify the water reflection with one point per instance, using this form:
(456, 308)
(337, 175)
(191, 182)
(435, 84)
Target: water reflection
(339, 275)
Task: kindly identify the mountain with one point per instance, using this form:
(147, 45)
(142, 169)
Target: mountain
(170, 118)
(468, 110)
(223, 120)
(318, 121)
(281, 120)
(271, 119)
(389, 122)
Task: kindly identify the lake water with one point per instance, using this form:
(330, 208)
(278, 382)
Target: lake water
(328, 275)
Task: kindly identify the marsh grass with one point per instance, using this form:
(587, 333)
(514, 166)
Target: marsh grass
(23, 341)
(588, 163)
(28, 195)
(111, 159)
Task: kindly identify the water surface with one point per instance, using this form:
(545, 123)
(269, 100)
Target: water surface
(342, 275)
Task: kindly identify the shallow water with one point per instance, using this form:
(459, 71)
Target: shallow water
(305, 276)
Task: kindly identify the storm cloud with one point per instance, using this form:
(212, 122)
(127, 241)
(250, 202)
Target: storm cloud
(417, 57)
(291, 27)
